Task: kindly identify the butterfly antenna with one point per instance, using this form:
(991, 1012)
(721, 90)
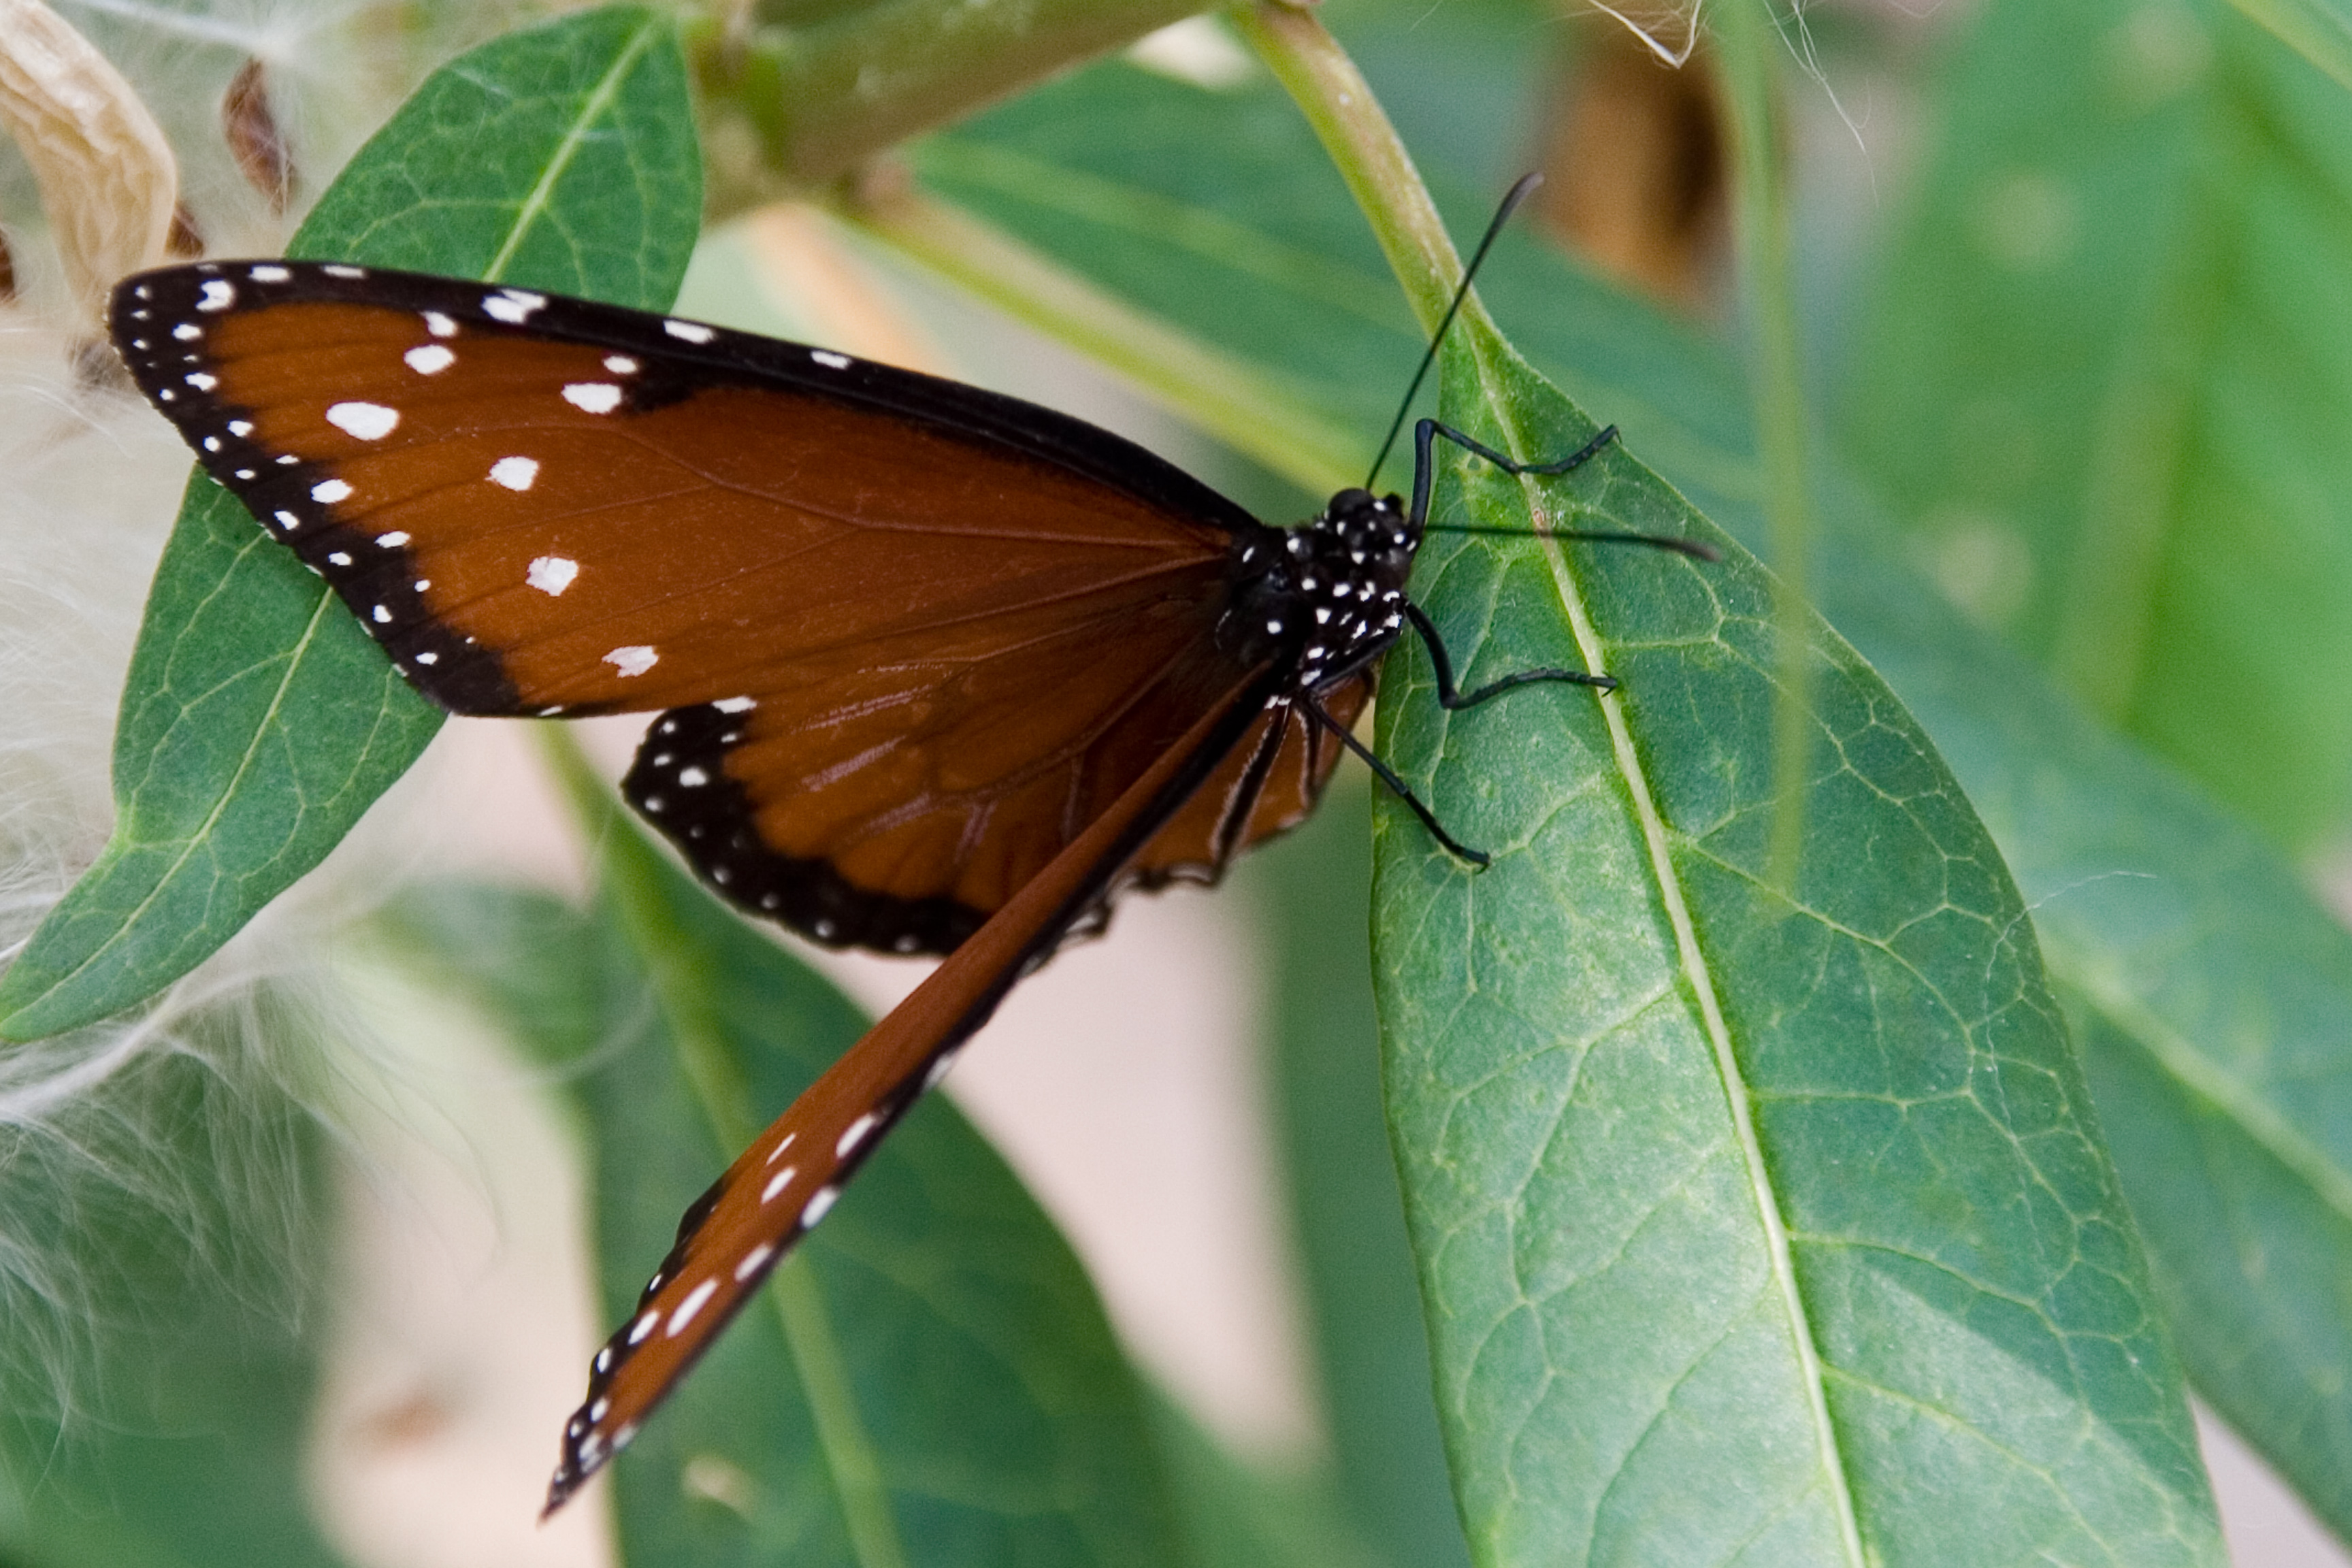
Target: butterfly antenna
(1511, 200)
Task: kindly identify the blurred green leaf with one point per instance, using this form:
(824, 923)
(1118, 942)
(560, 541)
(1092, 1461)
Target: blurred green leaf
(259, 721)
(2321, 30)
(983, 1401)
(2104, 375)
(1237, 1515)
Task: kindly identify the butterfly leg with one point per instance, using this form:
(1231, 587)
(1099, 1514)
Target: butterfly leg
(1452, 699)
(1425, 434)
(1397, 786)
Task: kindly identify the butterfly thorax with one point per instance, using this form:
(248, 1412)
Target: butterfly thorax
(1329, 595)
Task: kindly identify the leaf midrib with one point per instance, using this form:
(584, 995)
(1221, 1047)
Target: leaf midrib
(1690, 959)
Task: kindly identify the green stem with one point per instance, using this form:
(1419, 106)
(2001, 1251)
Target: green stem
(820, 101)
(1747, 51)
(709, 1056)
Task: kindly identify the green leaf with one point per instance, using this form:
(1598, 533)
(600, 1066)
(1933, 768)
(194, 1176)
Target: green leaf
(2321, 30)
(259, 721)
(1711, 1179)
(930, 1380)
(2209, 992)
(2102, 378)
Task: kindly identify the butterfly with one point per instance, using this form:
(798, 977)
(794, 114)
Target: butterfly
(936, 670)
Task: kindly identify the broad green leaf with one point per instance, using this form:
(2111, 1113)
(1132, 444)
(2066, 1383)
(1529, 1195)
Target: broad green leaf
(2104, 378)
(2211, 996)
(156, 1404)
(930, 1380)
(1711, 1179)
(259, 722)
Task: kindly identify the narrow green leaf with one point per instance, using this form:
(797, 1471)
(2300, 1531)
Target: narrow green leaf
(934, 1350)
(2102, 380)
(1797, 1197)
(259, 721)
(2320, 30)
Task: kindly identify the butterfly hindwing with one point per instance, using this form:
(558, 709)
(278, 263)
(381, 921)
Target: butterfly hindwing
(791, 1176)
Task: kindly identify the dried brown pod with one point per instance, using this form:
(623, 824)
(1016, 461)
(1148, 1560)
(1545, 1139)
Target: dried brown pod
(1634, 158)
(186, 242)
(254, 138)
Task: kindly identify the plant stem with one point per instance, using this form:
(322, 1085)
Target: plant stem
(1747, 48)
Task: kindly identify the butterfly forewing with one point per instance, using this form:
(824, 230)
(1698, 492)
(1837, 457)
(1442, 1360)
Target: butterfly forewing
(945, 647)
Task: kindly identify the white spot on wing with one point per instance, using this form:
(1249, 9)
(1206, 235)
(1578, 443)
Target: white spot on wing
(439, 325)
(693, 778)
(429, 359)
(853, 1135)
(240, 427)
(692, 332)
(736, 704)
(695, 1301)
(753, 1260)
(341, 271)
(513, 306)
(778, 1183)
(550, 575)
(216, 295)
(777, 1152)
(184, 331)
(830, 361)
(202, 381)
(642, 1327)
(820, 1203)
(329, 491)
(635, 660)
(592, 397)
(620, 365)
(514, 473)
(368, 421)
(394, 540)
(269, 274)
(286, 519)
